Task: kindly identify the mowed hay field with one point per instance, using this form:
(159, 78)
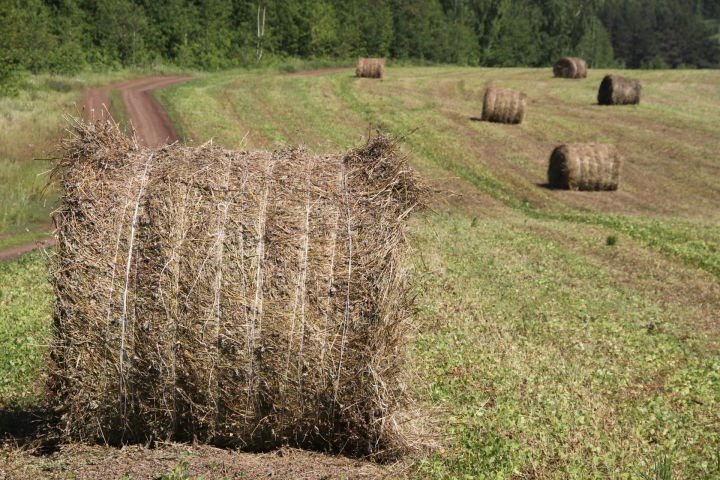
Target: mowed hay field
(561, 334)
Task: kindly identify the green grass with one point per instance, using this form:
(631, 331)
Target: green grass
(118, 109)
(560, 335)
(170, 109)
(25, 308)
(550, 367)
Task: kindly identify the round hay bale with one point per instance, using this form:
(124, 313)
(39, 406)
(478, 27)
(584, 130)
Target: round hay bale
(617, 90)
(585, 166)
(370, 68)
(504, 105)
(570, 67)
(240, 298)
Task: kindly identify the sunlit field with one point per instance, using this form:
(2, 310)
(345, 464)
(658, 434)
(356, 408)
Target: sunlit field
(560, 334)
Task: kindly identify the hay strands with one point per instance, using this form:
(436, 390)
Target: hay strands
(239, 298)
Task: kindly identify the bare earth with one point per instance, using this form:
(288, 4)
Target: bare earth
(11, 253)
(152, 124)
(81, 462)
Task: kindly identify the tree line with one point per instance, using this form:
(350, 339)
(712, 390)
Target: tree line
(67, 36)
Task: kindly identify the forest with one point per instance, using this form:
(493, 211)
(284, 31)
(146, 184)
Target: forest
(67, 36)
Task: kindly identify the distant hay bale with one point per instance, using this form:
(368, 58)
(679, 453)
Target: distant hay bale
(585, 166)
(570, 67)
(370, 68)
(503, 105)
(617, 90)
(240, 298)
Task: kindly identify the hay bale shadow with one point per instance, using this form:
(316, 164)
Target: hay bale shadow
(547, 186)
(26, 428)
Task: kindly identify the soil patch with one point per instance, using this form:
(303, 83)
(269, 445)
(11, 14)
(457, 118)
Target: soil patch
(152, 124)
(83, 462)
(11, 253)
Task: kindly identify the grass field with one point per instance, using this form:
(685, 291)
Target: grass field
(561, 334)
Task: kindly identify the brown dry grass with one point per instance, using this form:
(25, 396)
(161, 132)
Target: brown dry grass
(617, 90)
(248, 299)
(176, 461)
(585, 166)
(570, 67)
(503, 105)
(370, 68)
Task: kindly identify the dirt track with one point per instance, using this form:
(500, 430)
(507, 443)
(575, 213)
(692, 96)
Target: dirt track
(11, 253)
(150, 120)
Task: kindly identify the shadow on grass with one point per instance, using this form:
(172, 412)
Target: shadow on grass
(547, 186)
(26, 428)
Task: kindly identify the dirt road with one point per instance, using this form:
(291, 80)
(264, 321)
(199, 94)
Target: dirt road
(150, 120)
(152, 127)
(11, 253)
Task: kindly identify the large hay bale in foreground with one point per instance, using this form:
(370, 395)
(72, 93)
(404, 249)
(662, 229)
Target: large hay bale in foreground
(585, 166)
(239, 298)
(617, 90)
(504, 105)
(370, 68)
(570, 67)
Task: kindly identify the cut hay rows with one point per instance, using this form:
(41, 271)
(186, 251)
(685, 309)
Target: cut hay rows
(503, 105)
(617, 90)
(370, 68)
(585, 166)
(239, 298)
(570, 67)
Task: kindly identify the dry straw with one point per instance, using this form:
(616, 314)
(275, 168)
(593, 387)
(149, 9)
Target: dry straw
(504, 105)
(239, 298)
(585, 166)
(617, 90)
(570, 67)
(370, 68)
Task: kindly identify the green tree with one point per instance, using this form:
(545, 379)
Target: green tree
(10, 49)
(324, 31)
(120, 25)
(420, 29)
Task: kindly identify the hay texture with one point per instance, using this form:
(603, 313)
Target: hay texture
(370, 68)
(503, 105)
(238, 298)
(585, 166)
(570, 67)
(617, 90)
